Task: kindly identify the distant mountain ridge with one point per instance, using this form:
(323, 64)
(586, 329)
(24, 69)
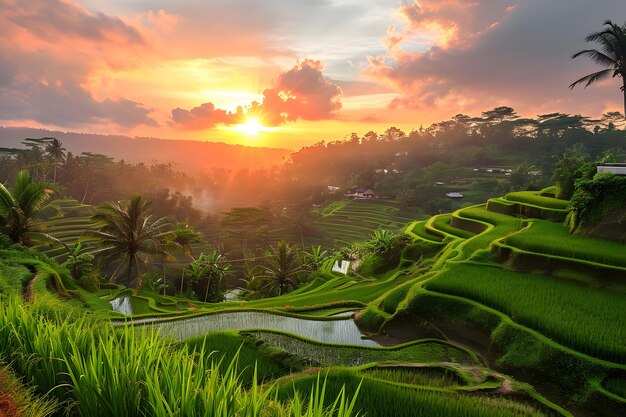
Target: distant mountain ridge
(186, 155)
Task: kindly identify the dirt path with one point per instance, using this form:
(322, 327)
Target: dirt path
(8, 407)
(29, 294)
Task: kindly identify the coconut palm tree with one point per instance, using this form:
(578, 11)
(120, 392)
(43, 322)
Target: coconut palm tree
(611, 54)
(55, 151)
(129, 235)
(281, 271)
(23, 207)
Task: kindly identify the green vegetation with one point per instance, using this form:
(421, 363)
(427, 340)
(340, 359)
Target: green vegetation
(19, 400)
(548, 238)
(381, 399)
(445, 293)
(423, 376)
(356, 220)
(585, 319)
(221, 345)
(23, 206)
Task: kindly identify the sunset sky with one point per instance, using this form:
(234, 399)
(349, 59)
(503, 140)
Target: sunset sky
(286, 73)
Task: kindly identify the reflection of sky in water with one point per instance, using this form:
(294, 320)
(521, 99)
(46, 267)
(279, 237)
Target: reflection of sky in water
(331, 331)
(122, 305)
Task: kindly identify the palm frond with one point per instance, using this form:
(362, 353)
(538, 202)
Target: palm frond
(592, 78)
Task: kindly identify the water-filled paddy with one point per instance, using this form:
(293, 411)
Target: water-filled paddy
(343, 331)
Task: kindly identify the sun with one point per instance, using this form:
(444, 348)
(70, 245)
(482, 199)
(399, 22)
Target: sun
(251, 127)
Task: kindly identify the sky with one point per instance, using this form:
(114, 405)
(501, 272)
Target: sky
(288, 73)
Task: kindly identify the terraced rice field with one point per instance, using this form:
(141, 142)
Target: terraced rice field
(586, 319)
(548, 238)
(357, 220)
(68, 227)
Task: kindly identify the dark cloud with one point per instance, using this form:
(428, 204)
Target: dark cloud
(520, 56)
(299, 93)
(49, 49)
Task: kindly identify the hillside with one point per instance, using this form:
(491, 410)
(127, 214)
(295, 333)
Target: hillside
(186, 155)
(495, 299)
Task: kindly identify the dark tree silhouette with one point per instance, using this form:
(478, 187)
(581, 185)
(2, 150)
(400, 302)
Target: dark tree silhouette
(611, 54)
(56, 151)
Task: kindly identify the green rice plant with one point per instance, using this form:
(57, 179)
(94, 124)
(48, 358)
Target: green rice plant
(27, 404)
(341, 407)
(424, 376)
(250, 359)
(535, 199)
(585, 319)
(441, 222)
(554, 239)
(382, 399)
(500, 225)
(616, 385)
(104, 372)
(426, 351)
(13, 279)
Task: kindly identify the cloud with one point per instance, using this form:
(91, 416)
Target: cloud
(455, 21)
(303, 93)
(49, 53)
(495, 52)
(59, 19)
(299, 93)
(160, 20)
(204, 116)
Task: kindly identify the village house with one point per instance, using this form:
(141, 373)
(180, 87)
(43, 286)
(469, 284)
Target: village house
(617, 169)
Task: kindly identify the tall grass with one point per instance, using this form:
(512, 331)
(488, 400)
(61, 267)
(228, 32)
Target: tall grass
(554, 239)
(586, 319)
(18, 398)
(379, 399)
(13, 279)
(104, 372)
(222, 346)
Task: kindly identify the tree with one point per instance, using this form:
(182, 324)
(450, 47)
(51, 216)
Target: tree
(381, 241)
(23, 207)
(612, 55)
(566, 172)
(55, 151)
(216, 270)
(130, 235)
(281, 270)
(183, 236)
(212, 269)
(315, 258)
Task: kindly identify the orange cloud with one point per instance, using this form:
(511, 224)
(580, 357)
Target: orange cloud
(48, 53)
(299, 93)
(161, 20)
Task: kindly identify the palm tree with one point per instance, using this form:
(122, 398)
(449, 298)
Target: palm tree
(281, 270)
(216, 270)
(612, 55)
(381, 242)
(184, 236)
(315, 257)
(56, 151)
(130, 235)
(23, 207)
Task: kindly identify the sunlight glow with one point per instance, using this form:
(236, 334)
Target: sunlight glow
(251, 127)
